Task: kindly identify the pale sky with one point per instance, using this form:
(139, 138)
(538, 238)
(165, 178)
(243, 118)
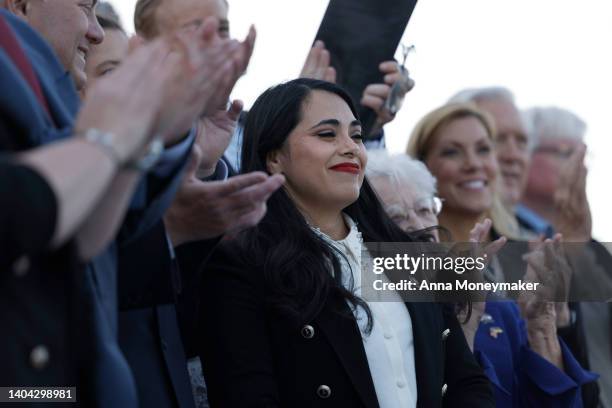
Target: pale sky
(548, 52)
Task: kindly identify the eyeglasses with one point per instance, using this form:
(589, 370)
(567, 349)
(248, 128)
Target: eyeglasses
(426, 208)
(557, 152)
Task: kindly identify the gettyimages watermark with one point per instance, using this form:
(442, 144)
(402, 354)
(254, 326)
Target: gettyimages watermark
(458, 272)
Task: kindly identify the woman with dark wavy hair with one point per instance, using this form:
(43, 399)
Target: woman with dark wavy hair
(281, 320)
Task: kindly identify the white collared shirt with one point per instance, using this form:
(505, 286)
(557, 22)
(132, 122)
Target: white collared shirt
(389, 347)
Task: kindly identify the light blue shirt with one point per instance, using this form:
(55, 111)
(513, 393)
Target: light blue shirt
(532, 221)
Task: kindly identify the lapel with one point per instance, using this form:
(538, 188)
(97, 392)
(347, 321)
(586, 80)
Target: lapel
(428, 352)
(345, 338)
(57, 87)
(19, 102)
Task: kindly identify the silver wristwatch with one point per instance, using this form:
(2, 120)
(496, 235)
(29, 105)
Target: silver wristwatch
(146, 162)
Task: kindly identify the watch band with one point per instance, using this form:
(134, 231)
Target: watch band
(146, 162)
(105, 141)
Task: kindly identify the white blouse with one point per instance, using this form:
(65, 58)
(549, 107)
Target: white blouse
(389, 347)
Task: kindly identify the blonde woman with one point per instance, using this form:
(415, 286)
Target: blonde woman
(527, 362)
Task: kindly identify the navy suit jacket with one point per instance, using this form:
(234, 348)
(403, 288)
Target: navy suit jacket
(24, 124)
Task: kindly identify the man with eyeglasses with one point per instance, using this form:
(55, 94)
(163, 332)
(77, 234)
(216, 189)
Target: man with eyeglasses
(557, 170)
(557, 140)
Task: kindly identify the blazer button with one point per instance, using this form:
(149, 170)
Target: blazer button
(308, 332)
(324, 391)
(445, 334)
(21, 266)
(39, 357)
(444, 388)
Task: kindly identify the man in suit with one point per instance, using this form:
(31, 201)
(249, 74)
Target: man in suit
(96, 294)
(70, 27)
(149, 281)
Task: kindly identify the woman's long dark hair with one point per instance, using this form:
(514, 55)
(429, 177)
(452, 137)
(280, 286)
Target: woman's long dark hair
(296, 260)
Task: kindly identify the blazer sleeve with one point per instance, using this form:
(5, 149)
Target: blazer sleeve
(233, 341)
(467, 384)
(153, 196)
(28, 212)
(540, 383)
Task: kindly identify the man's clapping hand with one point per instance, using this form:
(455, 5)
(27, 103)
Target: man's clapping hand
(207, 209)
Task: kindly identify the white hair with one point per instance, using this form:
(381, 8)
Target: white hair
(495, 93)
(482, 94)
(400, 168)
(554, 123)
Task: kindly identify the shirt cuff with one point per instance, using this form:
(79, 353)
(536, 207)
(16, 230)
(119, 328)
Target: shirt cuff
(171, 156)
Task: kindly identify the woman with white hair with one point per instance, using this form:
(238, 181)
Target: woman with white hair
(407, 190)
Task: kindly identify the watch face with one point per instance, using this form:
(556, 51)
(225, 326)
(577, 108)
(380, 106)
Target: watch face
(156, 149)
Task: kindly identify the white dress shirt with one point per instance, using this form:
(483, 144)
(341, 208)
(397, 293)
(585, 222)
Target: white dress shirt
(389, 347)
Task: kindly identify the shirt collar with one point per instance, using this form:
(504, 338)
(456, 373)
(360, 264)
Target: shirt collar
(351, 243)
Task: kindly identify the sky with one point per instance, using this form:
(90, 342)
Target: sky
(548, 52)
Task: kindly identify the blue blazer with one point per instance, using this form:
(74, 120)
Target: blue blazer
(25, 124)
(521, 377)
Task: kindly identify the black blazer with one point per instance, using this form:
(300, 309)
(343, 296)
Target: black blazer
(28, 212)
(253, 358)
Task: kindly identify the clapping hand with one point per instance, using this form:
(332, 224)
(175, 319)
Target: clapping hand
(480, 234)
(127, 102)
(573, 215)
(207, 209)
(207, 69)
(214, 135)
(546, 264)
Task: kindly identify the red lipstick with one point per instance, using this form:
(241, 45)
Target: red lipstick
(346, 167)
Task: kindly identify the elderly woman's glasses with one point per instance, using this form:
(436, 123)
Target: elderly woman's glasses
(427, 208)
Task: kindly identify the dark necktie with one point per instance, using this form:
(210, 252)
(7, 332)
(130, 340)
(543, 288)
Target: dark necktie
(8, 41)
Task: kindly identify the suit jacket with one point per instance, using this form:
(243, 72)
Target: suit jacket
(38, 295)
(151, 288)
(251, 357)
(56, 291)
(28, 213)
